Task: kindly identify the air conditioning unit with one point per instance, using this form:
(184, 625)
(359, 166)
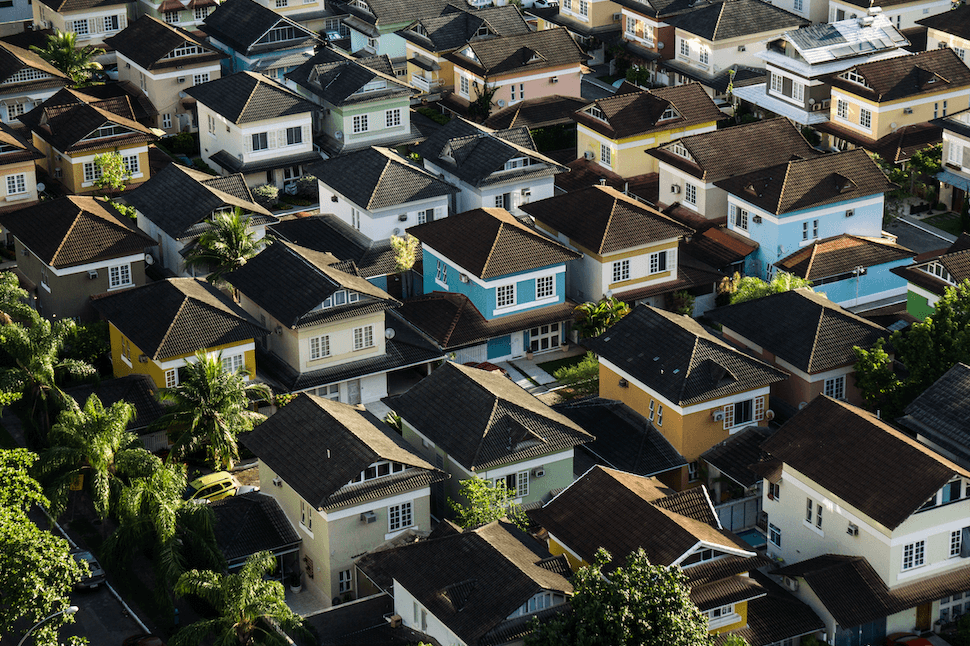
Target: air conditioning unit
(816, 107)
(849, 213)
(589, 154)
(181, 79)
(553, 79)
(825, 104)
(403, 217)
(675, 188)
(907, 111)
(463, 278)
(128, 65)
(92, 274)
(277, 482)
(394, 621)
(368, 517)
(617, 16)
(791, 584)
(718, 415)
(756, 219)
(853, 530)
(742, 48)
(538, 472)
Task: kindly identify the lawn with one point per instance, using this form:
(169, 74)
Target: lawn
(949, 222)
(552, 366)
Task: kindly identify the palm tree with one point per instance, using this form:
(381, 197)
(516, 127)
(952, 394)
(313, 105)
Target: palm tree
(248, 606)
(226, 247)
(210, 407)
(13, 301)
(596, 318)
(31, 367)
(62, 52)
(93, 442)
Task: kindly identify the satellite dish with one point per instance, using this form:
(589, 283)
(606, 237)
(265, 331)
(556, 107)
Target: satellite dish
(149, 260)
(501, 103)
(389, 333)
(893, 125)
(40, 187)
(811, 101)
(339, 135)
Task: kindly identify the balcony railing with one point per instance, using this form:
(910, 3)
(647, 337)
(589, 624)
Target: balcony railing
(426, 84)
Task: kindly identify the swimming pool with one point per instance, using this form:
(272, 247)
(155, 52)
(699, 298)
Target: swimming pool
(753, 537)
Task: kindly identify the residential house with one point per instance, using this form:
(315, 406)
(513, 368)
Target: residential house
(72, 248)
(248, 523)
(258, 39)
(810, 337)
(791, 205)
(493, 168)
(26, 80)
(177, 206)
(315, 15)
(188, 15)
(157, 328)
(622, 513)
(515, 68)
(91, 21)
(429, 39)
(71, 128)
(955, 175)
(872, 101)
(615, 130)
(15, 17)
(163, 60)
(499, 433)
(799, 63)
(903, 14)
(470, 588)
(252, 125)
(628, 249)
(19, 170)
(138, 390)
(361, 102)
(511, 275)
(948, 29)
(932, 273)
(734, 487)
(331, 336)
(719, 37)
(899, 556)
(555, 110)
(594, 24)
(693, 387)
(938, 417)
(690, 166)
(345, 480)
(380, 193)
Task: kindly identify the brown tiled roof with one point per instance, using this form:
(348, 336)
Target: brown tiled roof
(955, 259)
(845, 450)
(734, 456)
(896, 147)
(720, 247)
(956, 21)
(13, 59)
(892, 79)
(775, 617)
(637, 113)
(738, 149)
(841, 254)
(23, 150)
(75, 230)
(490, 243)
(584, 172)
(604, 220)
(148, 40)
(536, 113)
(523, 52)
(735, 18)
(690, 273)
(709, 571)
(730, 590)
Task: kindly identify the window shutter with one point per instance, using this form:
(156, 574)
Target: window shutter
(965, 542)
(966, 156)
(759, 408)
(307, 137)
(247, 143)
(728, 416)
(122, 21)
(271, 137)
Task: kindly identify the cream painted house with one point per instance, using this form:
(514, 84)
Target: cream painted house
(92, 22)
(904, 14)
(949, 29)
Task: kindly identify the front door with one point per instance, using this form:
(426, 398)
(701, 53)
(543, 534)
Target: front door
(924, 616)
(353, 391)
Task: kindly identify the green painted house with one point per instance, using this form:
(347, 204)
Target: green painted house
(931, 273)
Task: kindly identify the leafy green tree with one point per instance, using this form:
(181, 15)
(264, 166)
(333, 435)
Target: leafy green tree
(62, 52)
(210, 408)
(113, 173)
(735, 640)
(405, 255)
(638, 605)
(13, 301)
(247, 605)
(749, 288)
(875, 379)
(37, 570)
(227, 246)
(93, 444)
(596, 318)
(582, 378)
(486, 502)
(481, 107)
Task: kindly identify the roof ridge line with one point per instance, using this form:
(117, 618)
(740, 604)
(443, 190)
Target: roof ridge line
(818, 330)
(488, 424)
(454, 321)
(717, 23)
(250, 97)
(811, 258)
(488, 258)
(387, 164)
(67, 233)
(171, 326)
(784, 183)
(606, 229)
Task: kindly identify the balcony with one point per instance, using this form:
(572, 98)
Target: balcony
(426, 84)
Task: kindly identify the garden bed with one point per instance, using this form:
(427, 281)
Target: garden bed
(949, 222)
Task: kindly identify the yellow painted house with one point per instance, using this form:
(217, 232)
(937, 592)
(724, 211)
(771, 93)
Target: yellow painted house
(615, 131)
(157, 328)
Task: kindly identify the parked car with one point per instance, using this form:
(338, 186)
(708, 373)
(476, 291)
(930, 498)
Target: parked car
(907, 639)
(95, 577)
(214, 486)
(143, 639)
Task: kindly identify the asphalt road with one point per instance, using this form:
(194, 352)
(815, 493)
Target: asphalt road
(101, 618)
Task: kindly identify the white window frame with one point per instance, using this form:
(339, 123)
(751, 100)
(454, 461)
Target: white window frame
(17, 184)
(131, 164)
(757, 412)
(360, 123)
(171, 377)
(545, 287)
(233, 363)
(441, 273)
(621, 270)
(505, 296)
(345, 581)
(774, 532)
(865, 118)
(392, 118)
(364, 337)
(606, 154)
(656, 259)
(685, 47)
(841, 109)
(954, 153)
(835, 387)
(400, 517)
(319, 347)
(463, 85)
(914, 555)
(260, 141)
(739, 218)
(119, 276)
(690, 194)
(167, 120)
(306, 516)
(956, 542)
(199, 79)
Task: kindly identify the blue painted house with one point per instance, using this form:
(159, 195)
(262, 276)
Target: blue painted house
(494, 287)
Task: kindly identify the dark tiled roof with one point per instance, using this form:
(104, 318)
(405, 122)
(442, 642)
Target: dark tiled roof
(81, 5)
(148, 40)
(377, 178)
(604, 220)
(708, 571)
(308, 279)
(13, 59)
(719, 247)
(660, 8)
(176, 317)
(624, 440)
(336, 77)
(536, 113)
(896, 147)
(534, 50)
(318, 446)
(840, 255)
(893, 79)
(251, 523)
(454, 322)
(956, 22)
(806, 183)
(738, 149)
(75, 230)
(491, 243)
(498, 422)
(940, 413)
(730, 590)
(845, 450)
(391, 12)
(676, 357)
(245, 97)
(735, 455)
(736, 18)
(241, 23)
(178, 200)
(455, 27)
(22, 150)
(775, 617)
(232, 164)
(807, 330)
(137, 389)
(638, 113)
(362, 623)
(456, 577)
(622, 512)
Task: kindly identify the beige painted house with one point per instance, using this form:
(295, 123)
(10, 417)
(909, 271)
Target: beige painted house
(92, 22)
(18, 171)
(903, 14)
(949, 29)
(346, 481)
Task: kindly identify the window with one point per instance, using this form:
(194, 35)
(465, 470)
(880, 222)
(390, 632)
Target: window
(111, 23)
(952, 491)
(809, 503)
(306, 516)
(521, 484)
(119, 276)
(544, 337)
(212, 125)
(360, 123)
(660, 415)
(363, 337)
(652, 403)
(936, 110)
(658, 262)
(835, 387)
(319, 347)
(199, 79)
(233, 363)
(185, 50)
(744, 412)
(441, 273)
(621, 270)
(278, 34)
(583, 8)
(260, 141)
(842, 109)
(774, 535)
(503, 201)
(14, 110)
(201, 13)
(344, 583)
(596, 113)
(425, 216)
(798, 5)
(705, 56)
(167, 120)
(294, 136)
(865, 118)
(774, 491)
(684, 48)
(567, 4)
(392, 118)
(690, 194)
(944, 108)
(172, 17)
(809, 230)
(954, 152)
(606, 154)
(399, 517)
(171, 378)
(16, 184)
(956, 542)
(80, 27)
(521, 92)
(131, 164)
(692, 471)
(545, 287)
(740, 218)
(372, 44)
(504, 296)
(355, 219)
(960, 52)
(777, 83)
(914, 555)
(281, 3)
(463, 86)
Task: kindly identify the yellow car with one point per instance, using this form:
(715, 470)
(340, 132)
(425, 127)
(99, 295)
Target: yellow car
(214, 486)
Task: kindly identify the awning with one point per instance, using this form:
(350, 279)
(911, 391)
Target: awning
(954, 180)
(198, 4)
(171, 5)
(429, 66)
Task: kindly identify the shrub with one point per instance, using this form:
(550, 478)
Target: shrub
(184, 143)
(307, 189)
(266, 195)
